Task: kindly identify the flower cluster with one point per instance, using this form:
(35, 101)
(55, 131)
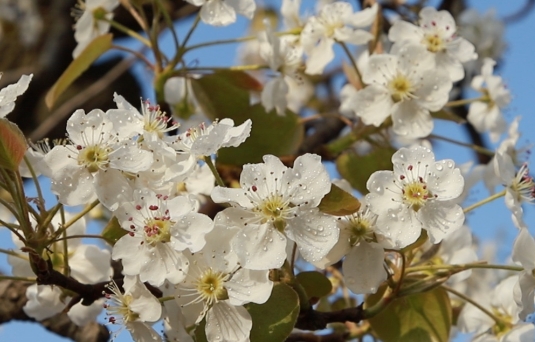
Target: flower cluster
(204, 245)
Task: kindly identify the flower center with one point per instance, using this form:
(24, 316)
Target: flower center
(504, 325)
(93, 157)
(361, 229)
(275, 209)
(210, 286)
(156, 121)
(157, 230)
(524, 185)
(401, 88)
(119, 310)
(434, 42)
(415, 194)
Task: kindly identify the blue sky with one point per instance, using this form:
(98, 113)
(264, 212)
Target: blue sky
(491, 223)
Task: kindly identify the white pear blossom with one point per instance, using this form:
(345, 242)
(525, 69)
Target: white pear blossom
(217, 287)
(283, 56)
(93, 22)
(179, 95)
(406, 86)
(501, 303)
(519, 185)
(275, 203)
(417, 194)
(91, 166)
(486, 115)
(455, 249)
(9, 94)
(134, 309)
(160, 230)
(524, 253)
(363, 254)
(336, 22)
(437, 33)
(223, 12)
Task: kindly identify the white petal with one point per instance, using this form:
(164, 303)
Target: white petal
(405, 31)
(320, 56)
(524, 250)
(274, 95)
(363, 268)
(217, 13)
(411, 120)
(309, 180)
(248, 286)
(440, 218)
(260, 247)
(373, 104)
(225, 322)
(314, 233)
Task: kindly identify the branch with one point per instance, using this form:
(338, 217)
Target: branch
(316, 320)
(12, 300)
(307, 337)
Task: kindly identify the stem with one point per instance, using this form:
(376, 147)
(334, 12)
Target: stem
(165, 299)
(212, 167)
(474, 303)
(35, 180)
(4, 277)
(463, 102)
(126, 4)
(137, 54)
(66, 268)
(75, 218)
(182, 49)
(129, 32)
(169, 23)
(219, 42)
(12, 253)
(24, 219)
(235, 68)
(294, 252)
(80, 236)
(352, 60)
(14, 230)
(485, 201)
(472, 146)
(463, 267)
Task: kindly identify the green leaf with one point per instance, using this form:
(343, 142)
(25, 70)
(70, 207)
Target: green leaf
(12, 145)
(270, 134)
(339, 202)
(241, 79)
(219, 97)
(200, 331)
(274, 320)
(90, 54)
(356, 169)
(113, 231)
(424, 317)
(316, 284)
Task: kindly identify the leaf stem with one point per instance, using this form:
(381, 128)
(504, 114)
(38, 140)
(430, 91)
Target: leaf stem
(472, 146)
(212, 167)
(463, 102)
(352, 60)
(485, 201)
(473, 302)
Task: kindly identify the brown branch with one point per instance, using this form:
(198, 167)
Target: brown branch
(316, 320)
(13, 299)
(307, 337)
